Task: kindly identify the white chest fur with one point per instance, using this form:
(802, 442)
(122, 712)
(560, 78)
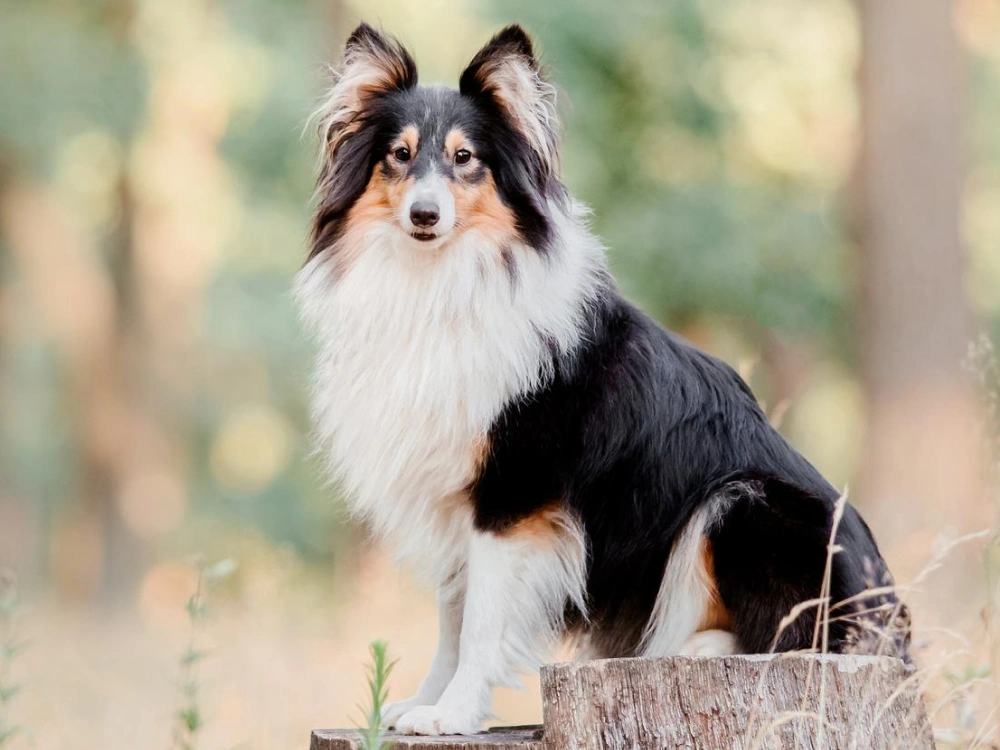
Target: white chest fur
(420, 350)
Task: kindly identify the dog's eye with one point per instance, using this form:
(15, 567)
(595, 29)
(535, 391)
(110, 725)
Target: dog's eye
(463, 156)
(402, 153)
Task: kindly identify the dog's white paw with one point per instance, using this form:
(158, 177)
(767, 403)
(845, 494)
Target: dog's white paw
(392, 712)
(434, 720)
(710, 643)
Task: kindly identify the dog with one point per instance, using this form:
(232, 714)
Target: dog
(551, 459)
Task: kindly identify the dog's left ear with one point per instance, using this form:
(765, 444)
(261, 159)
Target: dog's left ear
(506, 71)
(374, 64)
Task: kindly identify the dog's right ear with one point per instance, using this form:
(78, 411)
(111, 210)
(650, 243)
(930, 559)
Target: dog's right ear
(374, 64)
(507, 72)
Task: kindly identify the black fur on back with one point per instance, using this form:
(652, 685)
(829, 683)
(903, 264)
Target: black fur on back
(638, 429)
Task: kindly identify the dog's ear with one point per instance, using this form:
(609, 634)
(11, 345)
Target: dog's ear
(374, 64)
(507, 72)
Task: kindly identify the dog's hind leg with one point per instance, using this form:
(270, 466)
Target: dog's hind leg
(689, 617)
(771, 553)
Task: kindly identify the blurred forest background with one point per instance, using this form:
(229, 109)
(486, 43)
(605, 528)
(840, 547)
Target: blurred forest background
(808, 190)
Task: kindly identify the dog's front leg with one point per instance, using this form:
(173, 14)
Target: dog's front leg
(516, 591)
(451, 600)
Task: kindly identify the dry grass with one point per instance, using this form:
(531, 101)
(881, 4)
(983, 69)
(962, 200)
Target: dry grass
(956, 670)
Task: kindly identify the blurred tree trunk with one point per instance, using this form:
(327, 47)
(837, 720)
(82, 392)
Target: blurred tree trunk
(107, 467)
(922, 467)
(90, 551)
(111, 408)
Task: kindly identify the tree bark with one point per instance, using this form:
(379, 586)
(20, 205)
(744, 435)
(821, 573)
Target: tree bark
(737, 703)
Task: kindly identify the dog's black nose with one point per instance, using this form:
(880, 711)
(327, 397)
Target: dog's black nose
(424, 214)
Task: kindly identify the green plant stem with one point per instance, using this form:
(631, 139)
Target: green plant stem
(189, 715)
(9, 647)
(379, 668)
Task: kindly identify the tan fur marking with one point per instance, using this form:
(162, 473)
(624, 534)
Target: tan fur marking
(544, 526)
(410, 137)
(556, 535)
(480, 450)
(454, 141)
(378, 202)
(478, 207)
(716, 616)
(383, 71)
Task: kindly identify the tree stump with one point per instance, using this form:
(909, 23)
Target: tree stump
(735, 702)
(729, 703)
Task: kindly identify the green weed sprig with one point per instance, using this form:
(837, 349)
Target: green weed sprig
(10, 647)
(190, 719)
(379, 668)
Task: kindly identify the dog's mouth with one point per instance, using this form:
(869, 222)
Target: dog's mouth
(424, 236)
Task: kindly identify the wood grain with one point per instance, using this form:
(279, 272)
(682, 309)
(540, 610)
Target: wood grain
(736, 703)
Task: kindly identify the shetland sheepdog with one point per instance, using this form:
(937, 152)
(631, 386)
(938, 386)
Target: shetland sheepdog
(551, 459)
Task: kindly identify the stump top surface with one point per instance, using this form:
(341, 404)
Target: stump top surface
(500, 738)
(842, 662)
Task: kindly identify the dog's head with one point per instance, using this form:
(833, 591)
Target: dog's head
(430, 164)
